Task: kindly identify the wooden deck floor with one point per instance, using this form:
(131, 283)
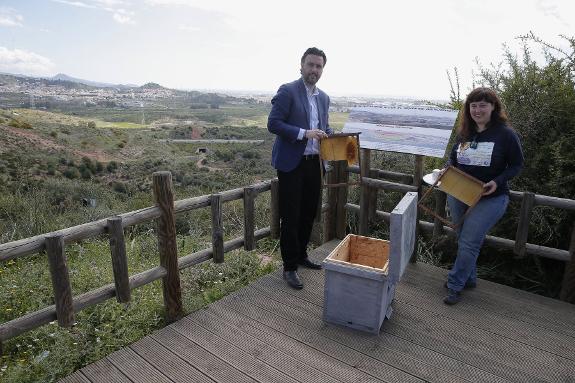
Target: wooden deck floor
(268, 332)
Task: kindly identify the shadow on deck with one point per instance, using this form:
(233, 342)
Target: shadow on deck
(267, 332)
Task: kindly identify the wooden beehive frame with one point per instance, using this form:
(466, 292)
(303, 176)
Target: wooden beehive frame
(340, 147)
(458, 184)
(362, 252)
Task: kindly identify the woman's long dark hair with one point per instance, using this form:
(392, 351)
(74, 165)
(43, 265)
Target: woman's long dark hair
(467, 127)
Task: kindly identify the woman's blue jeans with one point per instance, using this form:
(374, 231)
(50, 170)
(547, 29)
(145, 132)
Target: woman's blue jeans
(470, 235)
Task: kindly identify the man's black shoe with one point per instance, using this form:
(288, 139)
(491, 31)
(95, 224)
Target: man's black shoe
(293, 280)
(309, 264)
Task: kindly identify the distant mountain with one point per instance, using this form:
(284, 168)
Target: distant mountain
(65, 77)
(151, 85)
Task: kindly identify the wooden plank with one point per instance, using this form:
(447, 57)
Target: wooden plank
(313, 339)
(296, 368)
(503, 243)
(76, 377)
(535, 357)
(568, 286)
(465, 352)
(60, 280)
(530, 362)
(35, 319)
(231, 354)
(135, 367)
(313, 357)
(275, 209)
(372, 196)
(379, 347)
(429, 339)
(330, 221)
(119, 260)
(217, 228)
(171, 287)
(207, 363)
(523, 225)
(249, 220)
(492, 318)
(365, 192)
(528, 340)
(388, 186)
(341, 214)
(507, 301)
(440, 200)
(235, 194)
(394, 176)
(418, 183)
(502, 367)
(175, 368)
(104, 371)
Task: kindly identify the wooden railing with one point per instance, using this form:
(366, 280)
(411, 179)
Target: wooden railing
(334, 226)
(54, 244)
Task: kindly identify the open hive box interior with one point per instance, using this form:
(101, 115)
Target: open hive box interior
(362, 252)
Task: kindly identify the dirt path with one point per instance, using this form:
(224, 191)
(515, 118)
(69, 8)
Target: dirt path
(200, 164)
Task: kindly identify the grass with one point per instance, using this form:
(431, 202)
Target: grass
(36, 197)
(49, 353)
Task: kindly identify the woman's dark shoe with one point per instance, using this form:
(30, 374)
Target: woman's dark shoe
(293, 280)
(309, 264)
(452, 297)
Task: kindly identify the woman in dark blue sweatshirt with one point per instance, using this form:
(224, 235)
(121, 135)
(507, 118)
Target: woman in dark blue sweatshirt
(489, 150)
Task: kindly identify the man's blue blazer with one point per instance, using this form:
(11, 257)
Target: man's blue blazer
(290, 112)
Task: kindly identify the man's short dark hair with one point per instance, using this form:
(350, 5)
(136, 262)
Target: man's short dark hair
(314, 51)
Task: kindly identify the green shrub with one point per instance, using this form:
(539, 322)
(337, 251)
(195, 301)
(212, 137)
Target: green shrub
(119, 187)
(86, 173)
(19, 124)
(72, 173)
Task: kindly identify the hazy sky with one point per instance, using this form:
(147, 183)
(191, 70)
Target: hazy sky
(394, 48)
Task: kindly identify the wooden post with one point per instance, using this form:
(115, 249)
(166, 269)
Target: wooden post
(119, 259)
(275, 209)
(365, 192)
(341, 216)
(523, 226)
(417, 181)
(171, 287)
(440, 200)
(249, 226)
(568, 286)
(372, 197)
(60, 280)
(217, 228)
(330, 221)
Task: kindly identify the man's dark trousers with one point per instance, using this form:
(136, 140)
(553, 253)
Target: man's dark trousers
(298, 199)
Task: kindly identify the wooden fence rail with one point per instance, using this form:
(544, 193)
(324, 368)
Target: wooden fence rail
(170, 265)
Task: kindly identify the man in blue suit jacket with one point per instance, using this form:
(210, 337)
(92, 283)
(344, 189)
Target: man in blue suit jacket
(299, 119)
